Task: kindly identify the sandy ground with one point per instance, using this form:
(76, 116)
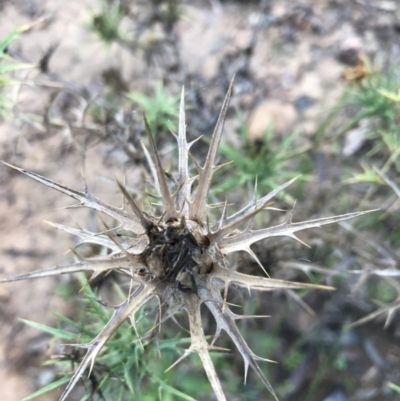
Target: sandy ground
(294, 59)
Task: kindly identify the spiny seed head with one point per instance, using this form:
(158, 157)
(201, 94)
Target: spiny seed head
(176, 255)
(175, 250)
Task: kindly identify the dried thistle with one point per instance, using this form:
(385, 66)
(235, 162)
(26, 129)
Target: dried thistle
(177, 256)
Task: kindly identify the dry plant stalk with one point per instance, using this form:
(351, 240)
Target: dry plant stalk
(177, 256)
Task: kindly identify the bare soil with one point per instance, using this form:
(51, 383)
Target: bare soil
(288, 56)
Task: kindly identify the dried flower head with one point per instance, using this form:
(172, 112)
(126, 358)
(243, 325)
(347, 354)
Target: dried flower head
(177, 256)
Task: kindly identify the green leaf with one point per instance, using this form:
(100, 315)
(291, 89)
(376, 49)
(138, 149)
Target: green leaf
(81, 329)
(160, 108)
(395, 97)
(172, 390)
(7, 67)
(58, 333)
(49, 387)
(393, 386)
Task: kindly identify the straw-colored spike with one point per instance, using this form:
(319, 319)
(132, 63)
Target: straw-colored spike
(152, 168)
(96, 266)
(258, 283)
(146, 223)
(166, 198)
(254, 204)
(86, 199)
(183, 160)
(229, 226)
(246, 239)
(86, 236)
(129, 307)
(200, 345)
(198, 207)
(228, 325)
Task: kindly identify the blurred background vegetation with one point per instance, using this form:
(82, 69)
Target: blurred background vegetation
(317, 94)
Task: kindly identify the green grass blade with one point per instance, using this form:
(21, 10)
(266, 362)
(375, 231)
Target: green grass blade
(393, 386)
(49, 387)
(58, 333)
(172, 390)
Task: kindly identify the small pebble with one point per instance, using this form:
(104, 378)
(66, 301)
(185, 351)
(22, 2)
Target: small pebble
(45, 377)
(303, 102)
(337, 395)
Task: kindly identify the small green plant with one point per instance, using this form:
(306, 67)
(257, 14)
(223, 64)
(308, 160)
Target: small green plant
(294, 358)
(371, 110)
(260, 161)
(374, 97)
(123, 364)
(106, 23)
(160, 109)
(7, 66)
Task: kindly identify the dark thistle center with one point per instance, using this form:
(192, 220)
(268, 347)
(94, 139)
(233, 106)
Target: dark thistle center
(174, 251)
